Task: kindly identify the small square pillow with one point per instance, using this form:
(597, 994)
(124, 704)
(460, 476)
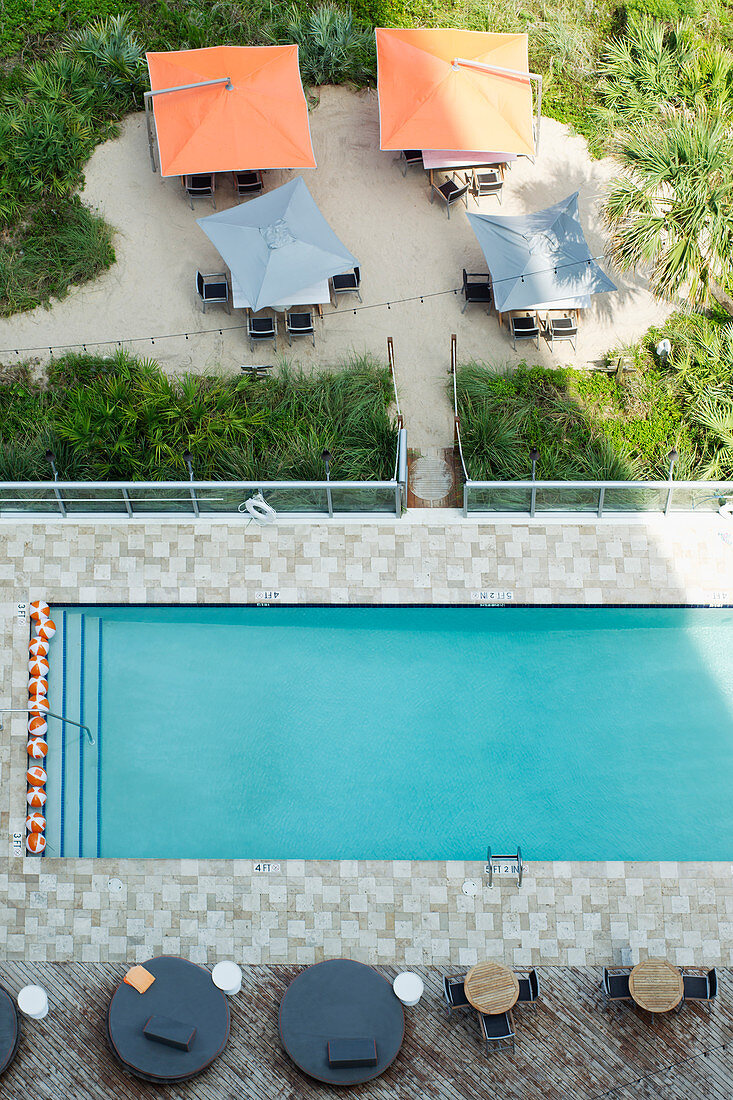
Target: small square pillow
(139, 978)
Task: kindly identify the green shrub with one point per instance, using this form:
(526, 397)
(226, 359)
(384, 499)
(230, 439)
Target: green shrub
(595, 426)
(666, 11)
(120, 417)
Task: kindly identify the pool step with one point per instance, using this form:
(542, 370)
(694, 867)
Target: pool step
(72, 810)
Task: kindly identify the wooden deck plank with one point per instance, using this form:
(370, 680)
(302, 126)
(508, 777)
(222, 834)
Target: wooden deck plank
(571, 1046)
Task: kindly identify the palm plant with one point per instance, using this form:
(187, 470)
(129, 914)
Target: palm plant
(715, 414)
(672, 211)
(640, 73)
(334, 47)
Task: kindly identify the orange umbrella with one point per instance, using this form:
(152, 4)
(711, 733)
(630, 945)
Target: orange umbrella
(258, 119)
(451, 89)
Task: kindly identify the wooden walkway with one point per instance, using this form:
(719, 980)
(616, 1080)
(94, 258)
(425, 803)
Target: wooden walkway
(573, 1046)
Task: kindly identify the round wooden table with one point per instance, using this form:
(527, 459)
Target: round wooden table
(656, 985)
(491, 988)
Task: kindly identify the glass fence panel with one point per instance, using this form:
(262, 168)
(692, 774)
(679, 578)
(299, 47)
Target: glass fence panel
(222, 499)
(84, 499)
(569, 498)
(635, 498)
(161, 499)
(699, 498)
(297, 499)
(32, 499)
(503, 499)
(365, 499)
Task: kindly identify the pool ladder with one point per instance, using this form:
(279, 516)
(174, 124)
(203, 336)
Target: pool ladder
(504, 865)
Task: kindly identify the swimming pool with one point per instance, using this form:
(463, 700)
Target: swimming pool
(393, 732)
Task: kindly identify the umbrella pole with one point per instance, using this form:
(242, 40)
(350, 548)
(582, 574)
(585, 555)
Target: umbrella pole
(149, 126)
(179, 88)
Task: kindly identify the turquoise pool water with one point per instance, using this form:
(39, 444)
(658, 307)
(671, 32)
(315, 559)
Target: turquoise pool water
(394, 733)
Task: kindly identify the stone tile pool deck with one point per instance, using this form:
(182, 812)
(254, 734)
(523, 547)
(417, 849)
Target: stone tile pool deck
(409, 913)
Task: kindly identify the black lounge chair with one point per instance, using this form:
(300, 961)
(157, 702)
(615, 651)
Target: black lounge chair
(700, 986)
(299, 324)
(454, 993)
(247, 183)
(529, 986)
(409, 158)
(260, 329)
(524, 328)
(487, 181)
(450, 192)
(347, 283)
(212, 290)
(201, 186)
(476, 291)
(497, 1030)
(616, 983)
(560, 328)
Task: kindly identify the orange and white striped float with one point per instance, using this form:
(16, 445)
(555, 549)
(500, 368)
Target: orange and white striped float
(46, 629)
(38, 647)
(40, 611)
(37, 726)
(36, 797)
(38, 704)
(38, 666)
(37, 748)
(37, 685)
(35, 823)
(36, 775)
(35, 843)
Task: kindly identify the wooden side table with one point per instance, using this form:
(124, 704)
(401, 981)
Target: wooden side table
(491, 988)
(656, 985)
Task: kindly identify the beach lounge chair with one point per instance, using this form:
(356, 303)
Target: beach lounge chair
(560, 328)
(487, 181)
(476, 291)
(409, 158)
(454, 993)
(616, 983)
(348, 283)
(529, 986)
(299, 324)
(450, 192)
(200, 186)
(497, 1031)
(524, 328)
(247, 183)
(212, 290)
(260, 329)
(700, 985)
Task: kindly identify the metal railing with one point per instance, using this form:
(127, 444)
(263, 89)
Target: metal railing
(598, 498)
(141, 499)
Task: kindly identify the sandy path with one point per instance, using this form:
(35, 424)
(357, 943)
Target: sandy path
(406, 247)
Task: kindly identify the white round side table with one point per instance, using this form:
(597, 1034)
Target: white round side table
(408, 987)
(33, 1002)
(227, 977)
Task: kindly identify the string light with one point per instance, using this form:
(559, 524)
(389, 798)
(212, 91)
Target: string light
(242, 328)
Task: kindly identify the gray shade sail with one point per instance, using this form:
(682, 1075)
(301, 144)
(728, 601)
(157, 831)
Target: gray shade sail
(538, 258)
(277, 244)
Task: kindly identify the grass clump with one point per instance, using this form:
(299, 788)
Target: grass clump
(53, 114)
(122, 418)
(57, 246)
